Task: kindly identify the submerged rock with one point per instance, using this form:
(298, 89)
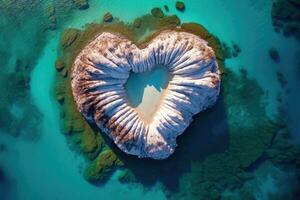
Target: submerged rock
(69, 36)
(64, 72)
(81, 4)
(60, 98)
(274, 55)
(137, 23)
(59, 64)
(108, 17)
(282, 150)
(166, 8)
(226, 50)
(230, 51)
(102, 166)
(157, 12)
(281, 79)
(173, 20)
(236, 48)
(286, 17)
(102, 68)
(51, 15)
(180, 6)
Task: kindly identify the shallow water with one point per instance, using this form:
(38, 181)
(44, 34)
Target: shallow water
(45, 167)
(146, 90)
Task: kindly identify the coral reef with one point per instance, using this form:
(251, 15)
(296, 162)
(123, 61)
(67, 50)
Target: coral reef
(166, 8)
(274, 55)
(180, 6)
(47, 16)
(230, 51)
(283, 151)
(137, 23)
(59, 64)
(27, 21)
(17, 10)
(281, 167)
(81, 4)
(69, 36)
(18, 115)
(281, 79)
(285, 17)
(250, 135)
(236, 50)
(102, 166)
(157, 12)
(51, 15)
(108, 17)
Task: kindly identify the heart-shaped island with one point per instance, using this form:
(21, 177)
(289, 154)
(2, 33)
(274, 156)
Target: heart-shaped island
(102, 68)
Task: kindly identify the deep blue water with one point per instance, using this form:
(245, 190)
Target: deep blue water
(36, 161)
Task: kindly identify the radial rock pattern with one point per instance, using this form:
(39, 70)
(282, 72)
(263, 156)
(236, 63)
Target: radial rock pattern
(102, 68)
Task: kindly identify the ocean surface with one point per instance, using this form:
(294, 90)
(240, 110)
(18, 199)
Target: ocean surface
(36, 160)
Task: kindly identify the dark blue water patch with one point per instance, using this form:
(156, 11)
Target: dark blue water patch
(2, 148)
(6, 186)
(2, 177)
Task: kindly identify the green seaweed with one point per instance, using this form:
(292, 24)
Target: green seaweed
(283, 151)
(69, 36)
(102, 166)
(126, 176)
(157, 12)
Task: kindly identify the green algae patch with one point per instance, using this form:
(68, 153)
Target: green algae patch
(283, 151)
(157, 12)
(102, 157)
(180, 6)
(126, 176)
(251, 130)
(68, 37)
(101, 168)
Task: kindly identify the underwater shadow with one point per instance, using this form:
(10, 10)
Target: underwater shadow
(207, 134)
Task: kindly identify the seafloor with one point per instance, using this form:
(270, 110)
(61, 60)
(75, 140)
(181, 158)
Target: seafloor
(246, 147)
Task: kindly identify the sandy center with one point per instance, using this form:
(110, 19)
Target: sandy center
(146, 90)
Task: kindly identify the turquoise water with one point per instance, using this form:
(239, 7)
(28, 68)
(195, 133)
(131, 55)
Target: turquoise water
(44, 166)
(146, 90)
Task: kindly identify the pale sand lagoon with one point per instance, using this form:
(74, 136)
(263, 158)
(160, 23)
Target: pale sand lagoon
(146, 90)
